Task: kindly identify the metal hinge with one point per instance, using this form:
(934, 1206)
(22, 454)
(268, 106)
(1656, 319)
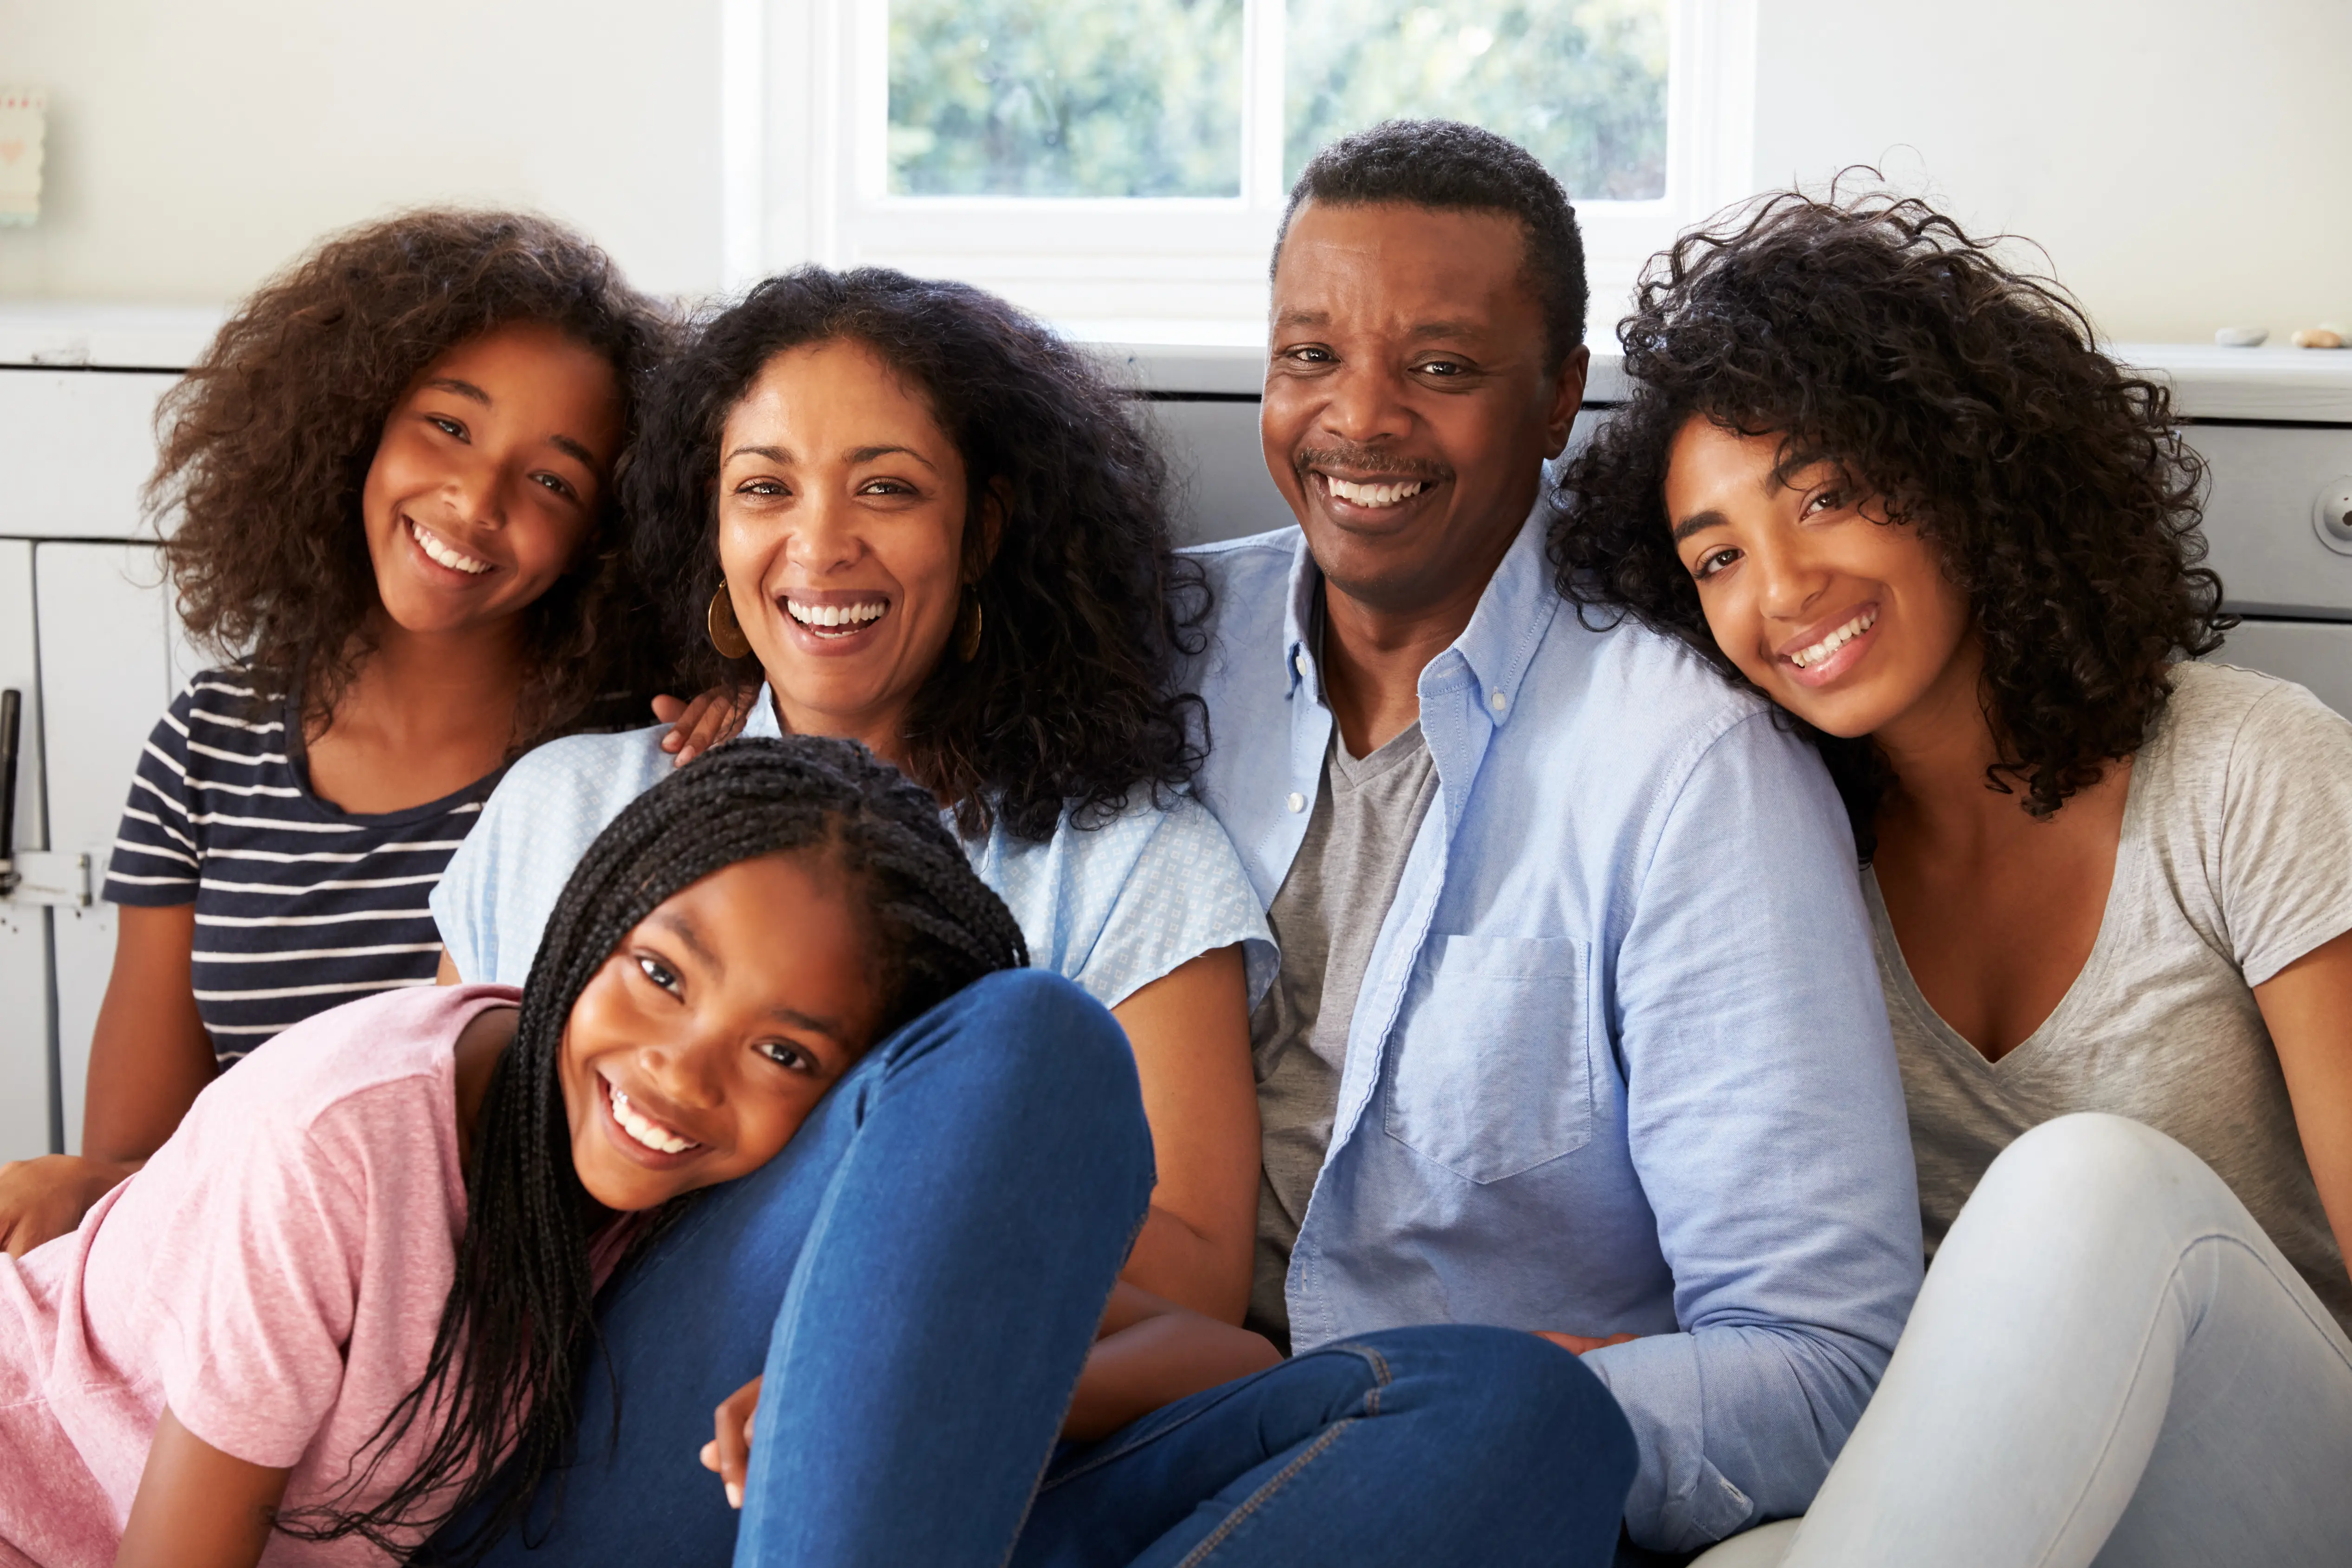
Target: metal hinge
(55, 877)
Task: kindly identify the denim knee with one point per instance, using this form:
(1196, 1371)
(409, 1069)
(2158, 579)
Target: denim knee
(1521, 1393)
(2100, 1172)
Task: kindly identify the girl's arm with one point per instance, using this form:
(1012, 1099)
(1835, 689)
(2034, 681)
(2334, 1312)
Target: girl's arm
(1148, 1352)
(148, 1061)
(2307, 1006)
(1190, 1031)
(197, 1507)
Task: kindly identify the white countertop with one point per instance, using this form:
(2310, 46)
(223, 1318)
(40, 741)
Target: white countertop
(2288, 385)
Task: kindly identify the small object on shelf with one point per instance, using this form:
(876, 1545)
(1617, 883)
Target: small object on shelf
(22, 115)
(2241, 337)
(2318, 337)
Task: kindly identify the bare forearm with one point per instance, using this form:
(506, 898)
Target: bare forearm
(1135, 1370)
(149, 1056)
(1201, 1274)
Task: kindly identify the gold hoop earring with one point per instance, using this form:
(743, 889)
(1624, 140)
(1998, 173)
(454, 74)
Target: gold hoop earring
(726, 631)
(968, 626)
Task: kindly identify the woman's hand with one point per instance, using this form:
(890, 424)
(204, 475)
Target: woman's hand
(729, 1452)
(41, 1200)
(696, 726)
(1578, 1345)
(197, 1507)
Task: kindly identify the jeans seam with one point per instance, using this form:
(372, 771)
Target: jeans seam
(1233, 1520)
(2139, 1367)
(1381, 1378)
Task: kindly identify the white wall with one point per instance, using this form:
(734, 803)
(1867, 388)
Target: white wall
(194, 146)
(2187, 163)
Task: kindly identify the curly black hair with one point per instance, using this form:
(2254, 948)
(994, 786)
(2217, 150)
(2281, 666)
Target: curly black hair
(1448, 167)
(267, 439)
(1071, 702)
(1874, 334)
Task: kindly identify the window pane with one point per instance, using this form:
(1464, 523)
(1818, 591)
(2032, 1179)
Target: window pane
(1579, 83)
(1065, 98)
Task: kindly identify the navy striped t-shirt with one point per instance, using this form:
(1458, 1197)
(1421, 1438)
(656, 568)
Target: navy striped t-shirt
(300, 906)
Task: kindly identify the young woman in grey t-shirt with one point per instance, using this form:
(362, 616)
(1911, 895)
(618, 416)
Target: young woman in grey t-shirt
(1892, 484)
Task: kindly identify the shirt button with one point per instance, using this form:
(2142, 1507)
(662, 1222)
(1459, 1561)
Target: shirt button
(1298, 661)
(1498, 702)
(1297, 801)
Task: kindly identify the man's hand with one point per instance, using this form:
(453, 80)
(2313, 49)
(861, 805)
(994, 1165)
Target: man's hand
(41, 1200)
(729, 1452)
(696, 726)
(1577, 1344)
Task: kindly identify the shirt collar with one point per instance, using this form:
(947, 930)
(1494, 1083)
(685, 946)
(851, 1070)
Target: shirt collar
(763, 722)
(1496, 647)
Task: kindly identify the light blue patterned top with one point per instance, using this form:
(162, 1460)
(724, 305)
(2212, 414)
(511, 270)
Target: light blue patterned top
(1112, 908)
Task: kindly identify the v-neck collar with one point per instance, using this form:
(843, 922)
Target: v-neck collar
(2046, 1033)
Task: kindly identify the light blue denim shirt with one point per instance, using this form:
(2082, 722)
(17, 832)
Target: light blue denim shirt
(1111, 908)
(1620, 1063)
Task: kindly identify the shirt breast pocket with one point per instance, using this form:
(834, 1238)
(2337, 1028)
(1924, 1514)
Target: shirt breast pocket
(1490, 1076)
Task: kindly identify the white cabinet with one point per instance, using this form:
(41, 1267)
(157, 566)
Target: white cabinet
(77, 445)
(86, 638)
(106, 676)
(25, 998)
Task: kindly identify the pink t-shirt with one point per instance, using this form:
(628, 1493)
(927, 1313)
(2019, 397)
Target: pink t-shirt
(275, 1275)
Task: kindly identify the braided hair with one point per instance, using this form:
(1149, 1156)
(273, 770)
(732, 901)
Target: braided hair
(518, 1330)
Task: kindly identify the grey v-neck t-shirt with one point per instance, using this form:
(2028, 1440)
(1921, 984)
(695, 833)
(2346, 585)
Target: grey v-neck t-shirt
(1325, 918)
(2235, 860)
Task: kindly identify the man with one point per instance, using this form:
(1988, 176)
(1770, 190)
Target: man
(1577, 1028)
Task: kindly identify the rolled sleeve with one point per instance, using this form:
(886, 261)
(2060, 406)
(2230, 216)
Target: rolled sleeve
(1765, 1121)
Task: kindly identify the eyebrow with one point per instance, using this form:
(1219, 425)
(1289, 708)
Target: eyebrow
(563, 443)
(868, 454)
(679, 926)
(463, 389)
(831, 1029)
(857, 455)
(1698, 523)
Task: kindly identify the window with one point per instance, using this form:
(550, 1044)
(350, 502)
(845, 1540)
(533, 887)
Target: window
(1119, 165)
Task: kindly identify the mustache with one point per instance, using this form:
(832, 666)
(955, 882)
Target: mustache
(1370, 459)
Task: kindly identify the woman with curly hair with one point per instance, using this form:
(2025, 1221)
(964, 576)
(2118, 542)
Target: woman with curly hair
(1873, 472)
(902, 512)
(386, 493)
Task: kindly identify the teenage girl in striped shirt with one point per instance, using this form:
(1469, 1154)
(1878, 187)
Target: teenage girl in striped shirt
(389, 488)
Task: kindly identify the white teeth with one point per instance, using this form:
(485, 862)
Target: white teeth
(454, 559)
(1805, 658)
(1374, 494)
(652, 1135)
(849, 615)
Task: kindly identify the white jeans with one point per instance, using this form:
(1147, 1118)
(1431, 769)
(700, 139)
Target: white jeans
(2110, 1364)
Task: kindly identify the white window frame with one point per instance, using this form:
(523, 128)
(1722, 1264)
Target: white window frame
(802, 79)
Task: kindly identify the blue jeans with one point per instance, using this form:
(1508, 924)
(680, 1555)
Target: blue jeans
(1449, 1444)
(919, 1275)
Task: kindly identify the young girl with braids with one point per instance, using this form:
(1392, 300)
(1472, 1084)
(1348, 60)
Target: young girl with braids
(1873, 472)
(386, 492)
(355, 1290)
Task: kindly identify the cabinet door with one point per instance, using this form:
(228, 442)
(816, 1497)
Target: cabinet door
(76, 445)
(106, 676)
(25, 1018)
(2309, 653)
